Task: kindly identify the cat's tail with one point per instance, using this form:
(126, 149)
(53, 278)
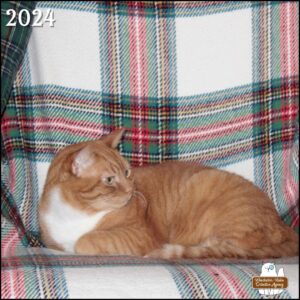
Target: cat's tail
(203, 250)
(233, 248)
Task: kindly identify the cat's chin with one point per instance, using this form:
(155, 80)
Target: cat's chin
(126, 201)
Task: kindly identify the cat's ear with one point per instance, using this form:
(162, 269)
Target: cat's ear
(113, 139)
(82, 160)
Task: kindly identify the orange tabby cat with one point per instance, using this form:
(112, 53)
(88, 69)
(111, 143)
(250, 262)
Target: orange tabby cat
(94, 203)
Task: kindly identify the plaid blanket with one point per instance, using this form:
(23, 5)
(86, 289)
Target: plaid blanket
(13, 45)
(213, 82)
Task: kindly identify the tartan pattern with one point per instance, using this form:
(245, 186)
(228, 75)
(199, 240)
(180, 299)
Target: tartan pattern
(144, 48)
(203, 276)
(277, 61)
(33, 283)
(10, 212)
(195, 279)
(13, 45)
(11, 242)
(139, 78)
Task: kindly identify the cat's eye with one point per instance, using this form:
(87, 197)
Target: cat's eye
(110, 180)
(127, 173)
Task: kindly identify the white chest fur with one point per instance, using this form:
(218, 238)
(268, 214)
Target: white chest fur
(66, 224)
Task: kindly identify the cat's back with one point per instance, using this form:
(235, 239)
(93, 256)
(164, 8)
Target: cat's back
(160, 178)
(174, 168)
(176, 176)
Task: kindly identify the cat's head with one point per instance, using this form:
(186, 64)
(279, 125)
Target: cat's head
(102, 177)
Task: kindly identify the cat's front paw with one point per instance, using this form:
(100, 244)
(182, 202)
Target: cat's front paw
(168, 251)
(83, 246)
(154, 254)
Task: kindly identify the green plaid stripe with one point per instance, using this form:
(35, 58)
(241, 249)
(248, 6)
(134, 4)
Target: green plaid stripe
(203, 111)
(148, 9)
(13, 45)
